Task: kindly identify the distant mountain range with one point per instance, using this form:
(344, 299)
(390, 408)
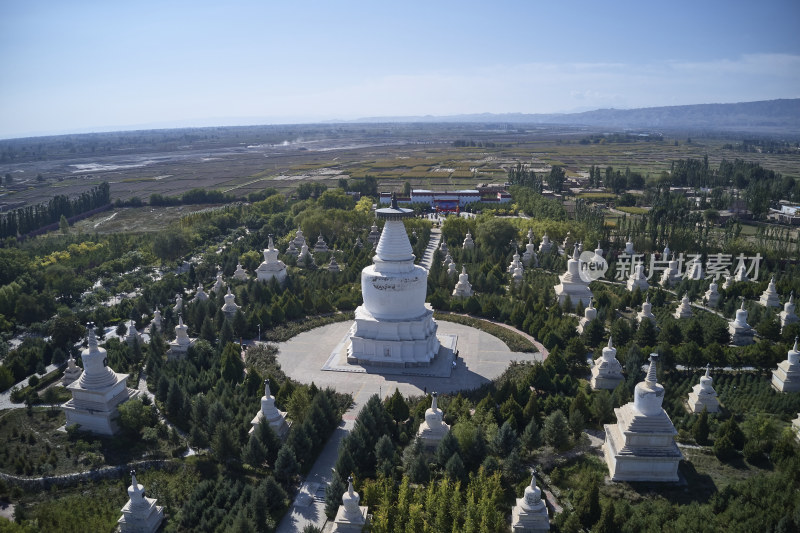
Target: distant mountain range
(767, 116)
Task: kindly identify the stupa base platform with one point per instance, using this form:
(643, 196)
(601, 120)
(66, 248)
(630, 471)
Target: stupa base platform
(440, 366)
(655, 463)
(605, 382)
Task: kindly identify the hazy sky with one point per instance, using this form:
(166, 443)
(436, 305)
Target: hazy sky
(82, 65)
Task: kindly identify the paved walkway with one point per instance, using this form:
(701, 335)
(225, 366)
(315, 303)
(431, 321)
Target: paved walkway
(5, 397)
(482, 357)
(427, 257)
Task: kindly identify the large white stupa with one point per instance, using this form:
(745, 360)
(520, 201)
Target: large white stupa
(97, 393)
(394, 326)
(786, 378)
(572, 284)
(272, 267)
(703, 395)
(770, 296)
(641, 445)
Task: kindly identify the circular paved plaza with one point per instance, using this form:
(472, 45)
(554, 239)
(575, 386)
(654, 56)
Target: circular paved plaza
(482, 357)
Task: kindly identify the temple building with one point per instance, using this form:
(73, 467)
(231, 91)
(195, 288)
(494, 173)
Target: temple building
(572, 284)
(350, 518)
(786, 378)
(240, 273)
(463, 289)
(269, 413)
(607, 371)
(788, 316)
(140, 514)
(741, 332)
(646, 312)
(711, 296)
(230, 307)
(468, 244)
(182, 342)
(394, 326)
(545, 246)
(637, 279)
(770, 298)
(684, 309)
(97, 393)
(272, 267)
(530, 513)
(641, 445)
(703, 395)
(433, 429)
(589, 314)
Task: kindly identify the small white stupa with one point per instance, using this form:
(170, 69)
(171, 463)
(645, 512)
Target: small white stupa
(786, 378)
(433, 430)
(448, 260)
(770, 298)
(133, 335)
(305, 258)
(637, 279)
(589, 314)
(200, 295)
(712, 295)
(240, 273)
(178, 303)
(182, 342)
(350, 518)
(684, 309)
(646, 312)
(155, 325)
(517, 276)
(451, 269)
(545, 246)
(788, 316)
(703, 395)
(728, 282)
(694, 270)
(230, 307)
(219, 284)
(463, 288)
(515, 262)
(529, 258)
(468, 244)
(269, 413)
(629, 246)
(641, 445)
(741, 332)
(272, 267)
(374, 235)
(530, 513)
(72, 372)
(443, 248)
(98, 392)
(320, 246)
(291, 250)
(666, 252)
(333, 266)
(572, 284)
(740, 274)
(358, 244)
(672, 275)
(607, 371)
(140, 514)
(299, 240)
